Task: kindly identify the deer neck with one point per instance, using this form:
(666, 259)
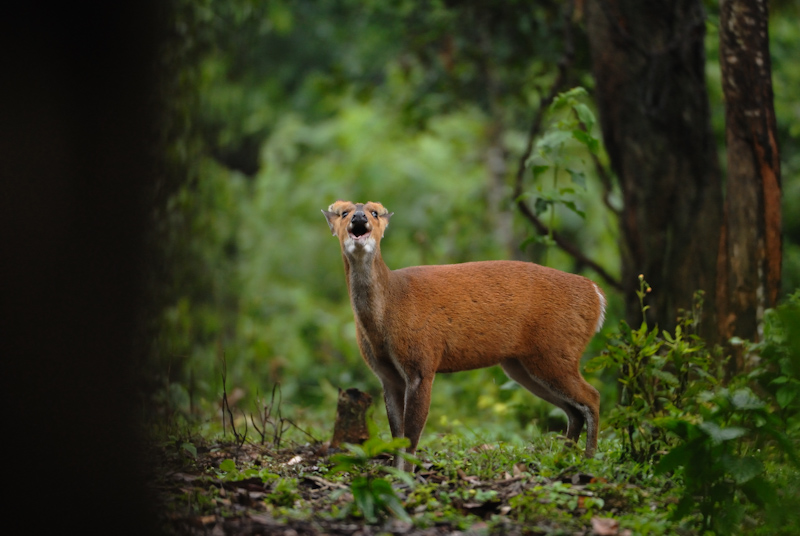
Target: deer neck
(368, 283)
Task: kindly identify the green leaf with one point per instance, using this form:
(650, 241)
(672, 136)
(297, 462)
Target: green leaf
(387, 498)
(363, 497)
(574, 208)
(227, 465)
(746, 399)
(760, 491)
(538, 170)
(785, 395)
(666, 377)
(718, 434)
(394, 505)
(404, 476)
(346, 462)
(677, 457)
(190, 448)
(567, 98)
(585, 115)
(578, 177)
(587, 139)
(541, 205)
(552, 140)
(684, 507)
(536, 239)
(599, 362)
(743, 469)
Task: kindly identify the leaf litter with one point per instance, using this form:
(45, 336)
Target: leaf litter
(227, 489)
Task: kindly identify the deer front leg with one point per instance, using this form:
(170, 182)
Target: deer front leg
(418, 402)
(394, 392)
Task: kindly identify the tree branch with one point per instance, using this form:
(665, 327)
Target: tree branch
(535, 129)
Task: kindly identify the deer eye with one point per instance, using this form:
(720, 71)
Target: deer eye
(374, 213)
(345, 213)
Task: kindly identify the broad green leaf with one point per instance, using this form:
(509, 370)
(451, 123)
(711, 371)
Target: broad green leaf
(587, 139)
(541, 205)
(677, 457)
(404, 476)
(363, 498)
(718, 434)
(552, 140)
(345, 462)
(578, 177)
(567, 97)
(536, 239)
(746, 399)
(760, 491)
(227, 465)
(666, 377)
(190, 448)
(574, 208)
(585, 115)
(679, 427)
(785, 395)
(394, 505)
(538, 170)
(381, 487)
(743, 469)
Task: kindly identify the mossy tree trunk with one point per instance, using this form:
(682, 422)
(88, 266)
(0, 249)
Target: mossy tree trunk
(750, 256)
(648, 62)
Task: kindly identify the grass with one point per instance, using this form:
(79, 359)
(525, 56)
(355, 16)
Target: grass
(546, 487)
(680, 454)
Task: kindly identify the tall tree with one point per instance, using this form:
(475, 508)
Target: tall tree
(648, 62)
(750, 253)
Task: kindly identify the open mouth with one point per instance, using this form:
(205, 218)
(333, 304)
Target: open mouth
(358, 230)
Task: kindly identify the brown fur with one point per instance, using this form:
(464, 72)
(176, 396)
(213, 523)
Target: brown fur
(411, 323)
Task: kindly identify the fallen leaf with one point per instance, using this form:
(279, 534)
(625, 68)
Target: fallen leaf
(605, 526)
(207, 520)
(464, 476)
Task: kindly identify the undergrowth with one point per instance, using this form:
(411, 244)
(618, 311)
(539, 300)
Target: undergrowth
(716, 438)
(683, 452)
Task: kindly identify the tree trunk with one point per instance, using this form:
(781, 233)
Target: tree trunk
(648, 62)
(750, 256)
(351, 417)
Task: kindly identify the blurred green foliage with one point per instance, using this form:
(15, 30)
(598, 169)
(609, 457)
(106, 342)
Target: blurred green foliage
(276, 109)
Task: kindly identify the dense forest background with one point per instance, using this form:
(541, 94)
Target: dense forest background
(267, 112)
(273, 110)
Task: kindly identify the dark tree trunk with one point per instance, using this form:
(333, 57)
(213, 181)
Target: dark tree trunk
(750, 257)
(648, 62)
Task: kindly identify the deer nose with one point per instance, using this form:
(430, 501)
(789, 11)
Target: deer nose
(359, 217)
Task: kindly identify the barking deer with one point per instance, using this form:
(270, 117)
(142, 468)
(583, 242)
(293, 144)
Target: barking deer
(411, 323)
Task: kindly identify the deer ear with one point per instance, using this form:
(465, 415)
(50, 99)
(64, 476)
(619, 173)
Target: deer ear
(386, 217)
(330, 216)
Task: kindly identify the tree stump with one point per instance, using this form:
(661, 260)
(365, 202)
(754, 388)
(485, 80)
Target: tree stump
(351, 417)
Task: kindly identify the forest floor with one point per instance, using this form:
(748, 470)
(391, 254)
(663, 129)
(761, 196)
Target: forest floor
(222, 488)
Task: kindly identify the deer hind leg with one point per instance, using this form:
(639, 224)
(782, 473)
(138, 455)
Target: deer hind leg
(517, 372)
(579, 400)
